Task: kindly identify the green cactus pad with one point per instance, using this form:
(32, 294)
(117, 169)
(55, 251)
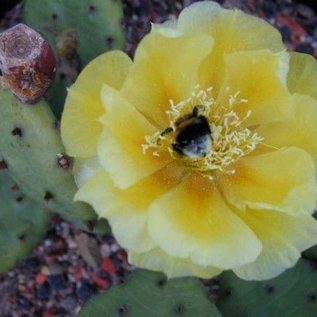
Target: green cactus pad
(31, 146)
(292, 294)
(311, 253)
(23, 223)
(149, 294)
(98, 25)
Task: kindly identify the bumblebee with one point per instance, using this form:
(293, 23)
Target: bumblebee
(193, 135)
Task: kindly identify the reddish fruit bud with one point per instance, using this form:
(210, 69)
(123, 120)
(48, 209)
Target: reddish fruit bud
(27, 63)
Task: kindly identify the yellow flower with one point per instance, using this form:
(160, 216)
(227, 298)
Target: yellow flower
(202, 152)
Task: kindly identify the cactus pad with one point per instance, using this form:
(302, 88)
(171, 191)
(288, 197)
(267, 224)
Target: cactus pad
(149, 294)
(95, 23)
(23, 222)
(292, 294)
(31, 146)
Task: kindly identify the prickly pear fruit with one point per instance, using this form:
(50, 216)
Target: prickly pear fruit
(27, 63)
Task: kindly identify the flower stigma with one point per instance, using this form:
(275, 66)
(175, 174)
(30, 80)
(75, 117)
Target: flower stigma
(205, 135)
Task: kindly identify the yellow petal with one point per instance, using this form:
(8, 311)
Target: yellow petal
(125, 161)
(79, 127)
(129, 222)
(131, 228)
(126, 210)
(167, 28)
(99, 192)
(200, 17)
(165, 68)
(85, 168)
(260, 78)
(158, 260)
(143, 193)
(232, 31)
(123, 217)
(122, 118)
(282, 180)
(302, 76)
(192, 221)
(298, 131)
(283, 237)
(120, 145)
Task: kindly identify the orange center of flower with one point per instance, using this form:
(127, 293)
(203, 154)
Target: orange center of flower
(205, 135)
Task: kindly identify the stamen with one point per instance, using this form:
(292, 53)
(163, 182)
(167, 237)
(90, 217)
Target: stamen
(231, 140)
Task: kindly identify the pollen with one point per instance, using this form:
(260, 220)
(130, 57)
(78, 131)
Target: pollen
(230, 138)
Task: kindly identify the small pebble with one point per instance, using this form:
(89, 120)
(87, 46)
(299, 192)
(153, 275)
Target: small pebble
(108, 266)
(43, 291)
(58, 281)
(84, 292)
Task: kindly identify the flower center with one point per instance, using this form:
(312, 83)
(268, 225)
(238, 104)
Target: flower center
(205, 135)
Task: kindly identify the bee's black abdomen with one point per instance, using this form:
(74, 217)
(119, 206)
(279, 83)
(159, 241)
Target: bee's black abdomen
(194, 138)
